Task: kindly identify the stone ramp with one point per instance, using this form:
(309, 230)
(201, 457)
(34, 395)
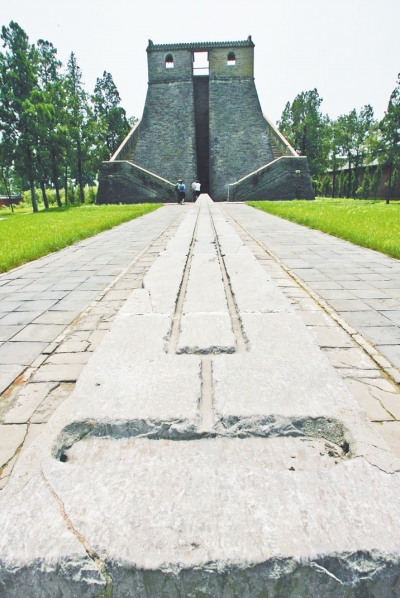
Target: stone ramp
(208, 449)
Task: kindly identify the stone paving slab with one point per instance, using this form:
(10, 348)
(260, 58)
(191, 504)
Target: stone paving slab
(255, 472)
(38, 300)
(358, 290)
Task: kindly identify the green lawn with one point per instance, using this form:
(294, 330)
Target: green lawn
(25, 236)
(369, 223)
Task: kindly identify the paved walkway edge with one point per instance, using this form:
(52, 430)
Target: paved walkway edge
(390, 370)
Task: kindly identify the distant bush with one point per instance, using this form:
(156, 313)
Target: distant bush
(90, 194)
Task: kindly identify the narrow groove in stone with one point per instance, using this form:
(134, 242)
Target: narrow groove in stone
(176, 320)
(241, 345)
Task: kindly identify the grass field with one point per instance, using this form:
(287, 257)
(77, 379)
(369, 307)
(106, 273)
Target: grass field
(369, 223)
(25, 236)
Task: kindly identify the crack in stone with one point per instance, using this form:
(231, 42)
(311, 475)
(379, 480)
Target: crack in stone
(17, 450)
(324, 570)
(107, 592)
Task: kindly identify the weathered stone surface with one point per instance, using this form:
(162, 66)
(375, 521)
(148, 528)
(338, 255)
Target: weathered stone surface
(43, 559)
(250, 474)
(27, 401)
(206, 333)
(11, 437)
(8, 373)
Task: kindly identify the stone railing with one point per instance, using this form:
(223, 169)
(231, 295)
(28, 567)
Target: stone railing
(280, 145)
(127, 148)
(285, 178)
(121, 181)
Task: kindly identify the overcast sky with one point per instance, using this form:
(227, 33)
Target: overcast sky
(348, 49)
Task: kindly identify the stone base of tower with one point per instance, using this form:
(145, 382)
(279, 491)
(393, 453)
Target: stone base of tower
(123, 182)
(283, 179)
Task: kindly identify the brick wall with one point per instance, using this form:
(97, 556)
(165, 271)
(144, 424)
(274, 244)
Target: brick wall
(124, 182)
(244, 66)
(167, 141)
(284, 178)
(239, 141)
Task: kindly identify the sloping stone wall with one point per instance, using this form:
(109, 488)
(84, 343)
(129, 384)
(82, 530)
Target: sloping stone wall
(124, 182)
(284, 178)
(239, 141)
(167, 142)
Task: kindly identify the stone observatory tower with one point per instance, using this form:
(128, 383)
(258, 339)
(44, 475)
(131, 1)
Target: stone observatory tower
(202, 119)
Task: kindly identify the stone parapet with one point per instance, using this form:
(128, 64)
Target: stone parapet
(124, 182)
(127, 148)
(285, 178)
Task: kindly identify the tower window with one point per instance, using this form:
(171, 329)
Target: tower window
(231, 59)
(169, 61)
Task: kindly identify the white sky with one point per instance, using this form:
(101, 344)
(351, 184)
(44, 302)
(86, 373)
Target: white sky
(348, 49)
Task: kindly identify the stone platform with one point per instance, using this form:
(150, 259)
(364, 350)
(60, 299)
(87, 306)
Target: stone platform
(210, 448)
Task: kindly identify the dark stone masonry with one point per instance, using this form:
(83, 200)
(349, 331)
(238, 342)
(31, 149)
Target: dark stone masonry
(206, 124)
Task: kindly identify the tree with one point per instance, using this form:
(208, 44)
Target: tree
(111, 116)
(53, 122)
(354, 129)
(389, 150)
(304, 126)
(78, 114)
(17, 82)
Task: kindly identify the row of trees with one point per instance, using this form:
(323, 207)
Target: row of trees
(51, 129)
(355, 139)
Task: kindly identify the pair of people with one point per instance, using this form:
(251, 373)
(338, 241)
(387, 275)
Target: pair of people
(181, 189)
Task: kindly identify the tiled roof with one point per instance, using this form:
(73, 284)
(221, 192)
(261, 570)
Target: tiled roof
(199, 45)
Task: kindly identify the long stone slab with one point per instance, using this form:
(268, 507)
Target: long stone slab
(248, 474)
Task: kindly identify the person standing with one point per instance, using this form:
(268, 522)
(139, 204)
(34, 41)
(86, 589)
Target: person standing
(180, 187)
(194, 190)
(197, 189)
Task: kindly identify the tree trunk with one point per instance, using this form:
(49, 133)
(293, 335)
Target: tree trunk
(33, 194)
(66, 184)
(333, 179)
(80, 178)
(55, 179)
(43, 188)
(389, 184)
(349, 180)
(11, 205)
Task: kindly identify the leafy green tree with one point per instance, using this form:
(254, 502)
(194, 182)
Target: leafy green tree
(18, 80)
(364, 190)
(111, 116)
(389, 150)
(354, 129)
(376, 181)
(304, 126)
(335, 161)
(78, 111)
(54, 141)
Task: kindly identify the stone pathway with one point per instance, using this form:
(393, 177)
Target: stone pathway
(347, 282)
(279, 484)
(38, 300)
(45, 374)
